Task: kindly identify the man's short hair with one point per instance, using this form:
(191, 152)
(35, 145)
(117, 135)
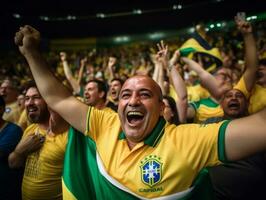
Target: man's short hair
(14, 84)
(119, 80)
(102, 86)
(30, 84)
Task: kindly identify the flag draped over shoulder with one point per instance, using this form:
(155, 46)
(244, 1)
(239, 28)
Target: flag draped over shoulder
(82, 179)
(198, 45)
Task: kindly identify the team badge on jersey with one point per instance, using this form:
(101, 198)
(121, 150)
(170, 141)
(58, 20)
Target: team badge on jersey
(151, 170)
(8, 110)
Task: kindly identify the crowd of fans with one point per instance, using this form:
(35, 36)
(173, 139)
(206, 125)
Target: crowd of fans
(33, 160)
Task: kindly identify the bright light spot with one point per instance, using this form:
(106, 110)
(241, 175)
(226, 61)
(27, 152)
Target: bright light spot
(44, 18)
(16, 15)
(156, 35)
(137, 11)
(70, 17)
(207, 29)
(174, 7)
(212, 26)
(218, 24)
(179, 6)
(100, 15)
(122, 39)
(253, 17)
(191, 30)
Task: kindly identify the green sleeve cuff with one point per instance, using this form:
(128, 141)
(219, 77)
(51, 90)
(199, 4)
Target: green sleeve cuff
(221, 141)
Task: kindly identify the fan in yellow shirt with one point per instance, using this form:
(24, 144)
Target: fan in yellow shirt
(257, 99)
(42, 149)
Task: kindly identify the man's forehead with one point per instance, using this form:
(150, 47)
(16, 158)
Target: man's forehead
(6, 83)
(91, 84)
(138, 83)
(115, 82)
(235, 91)
(32, 91)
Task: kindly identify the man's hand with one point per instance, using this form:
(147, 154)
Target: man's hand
(243, 26)
(27, 39)
(30, 144)
(174, 58)
(83, 61)
(111, 62)
(63, 56)
(162, 54)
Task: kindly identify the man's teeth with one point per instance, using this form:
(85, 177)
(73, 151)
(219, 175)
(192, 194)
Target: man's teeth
(135, 113)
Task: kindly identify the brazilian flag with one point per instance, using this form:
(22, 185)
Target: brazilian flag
(197, 45)
(82, 179)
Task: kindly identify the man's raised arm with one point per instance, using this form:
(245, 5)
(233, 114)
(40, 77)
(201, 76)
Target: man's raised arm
(52, 90)
(246, 136)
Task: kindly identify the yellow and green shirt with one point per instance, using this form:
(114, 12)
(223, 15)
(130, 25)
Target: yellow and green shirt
(208, 108)
(257, 99)
(100, 165)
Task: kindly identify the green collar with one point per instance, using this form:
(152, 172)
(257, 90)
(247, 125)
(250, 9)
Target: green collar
(155, 135)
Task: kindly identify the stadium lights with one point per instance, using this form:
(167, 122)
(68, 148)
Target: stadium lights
(121, 39)
(44, 18)
(157, 35)
(175, 7)
(17, 16)
(252, 18)
(137, 11)
(69, 17)
(100, 15)
(191, 30)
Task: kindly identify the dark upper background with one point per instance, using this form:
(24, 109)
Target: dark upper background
(156, 15)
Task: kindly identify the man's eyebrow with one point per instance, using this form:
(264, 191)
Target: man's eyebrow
(141, 90)
(146, 90)
(125, 90)
(35, 95)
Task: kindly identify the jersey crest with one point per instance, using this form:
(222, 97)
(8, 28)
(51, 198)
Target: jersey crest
(7, 110)
(151, 170)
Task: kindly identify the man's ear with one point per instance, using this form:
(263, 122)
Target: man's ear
(101, 94)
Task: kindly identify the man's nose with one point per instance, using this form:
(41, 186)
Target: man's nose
(234, 96)
(134, 100)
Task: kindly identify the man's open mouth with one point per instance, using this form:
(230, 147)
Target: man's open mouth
(32, 110)
(135, 117)
(234, 105)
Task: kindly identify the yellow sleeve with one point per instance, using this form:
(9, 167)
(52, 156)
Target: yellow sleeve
(99, 122)
(241, 86)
